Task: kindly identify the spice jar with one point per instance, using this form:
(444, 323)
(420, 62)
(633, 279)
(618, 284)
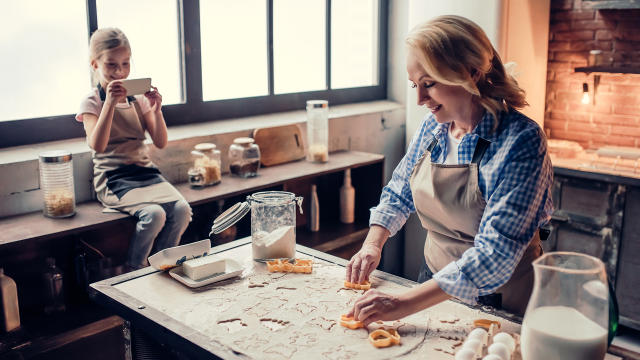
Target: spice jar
(244, 157)
(56, 182)
(206, 165)
(318, 130)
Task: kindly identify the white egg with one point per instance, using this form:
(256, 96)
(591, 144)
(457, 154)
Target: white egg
(473, 344)
(492, 357)
(478, 334)
(465, 354)
(501, 350)
(506, 339)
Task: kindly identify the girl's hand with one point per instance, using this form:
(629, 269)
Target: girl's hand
(363, 263)
(375, 305)
(155, 99)
(115, 92)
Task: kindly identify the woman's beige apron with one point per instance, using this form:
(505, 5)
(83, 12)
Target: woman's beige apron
(126, 147)
(450, 205)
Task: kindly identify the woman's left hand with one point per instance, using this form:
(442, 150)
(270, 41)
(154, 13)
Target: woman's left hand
(155, 99)
(375, 305)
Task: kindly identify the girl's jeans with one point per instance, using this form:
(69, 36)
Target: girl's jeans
(164, 223)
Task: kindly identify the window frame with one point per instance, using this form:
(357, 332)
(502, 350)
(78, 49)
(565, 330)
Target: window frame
(194, 109)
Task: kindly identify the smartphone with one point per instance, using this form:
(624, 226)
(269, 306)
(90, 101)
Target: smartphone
(137, 86)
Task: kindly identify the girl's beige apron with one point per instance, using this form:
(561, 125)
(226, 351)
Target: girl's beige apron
(125, 165)
(450, 205)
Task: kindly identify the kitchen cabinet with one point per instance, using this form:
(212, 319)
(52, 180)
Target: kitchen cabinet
(91, 245)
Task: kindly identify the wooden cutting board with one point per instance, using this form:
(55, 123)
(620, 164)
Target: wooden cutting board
(279, 144)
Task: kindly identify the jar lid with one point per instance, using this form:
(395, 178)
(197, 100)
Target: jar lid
(55, 156)
(317, 104)
(231, 216)
(205, 146)
(243, 141)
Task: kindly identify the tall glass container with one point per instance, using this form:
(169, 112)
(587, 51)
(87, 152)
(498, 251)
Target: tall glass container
(318, 130)
(56, 182)
(568, 313)
(244, 157)
(206, 165)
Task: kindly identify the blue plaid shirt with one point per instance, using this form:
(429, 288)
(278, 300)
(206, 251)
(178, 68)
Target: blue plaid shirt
(515, 177)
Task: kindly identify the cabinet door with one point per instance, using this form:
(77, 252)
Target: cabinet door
(628, 284)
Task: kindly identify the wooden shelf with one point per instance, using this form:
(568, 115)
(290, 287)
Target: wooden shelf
(608, 69)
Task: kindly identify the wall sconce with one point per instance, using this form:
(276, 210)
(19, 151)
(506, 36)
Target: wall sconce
(586, 99)
(585, 94)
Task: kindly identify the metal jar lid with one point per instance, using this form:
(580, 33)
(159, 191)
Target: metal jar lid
(317, 104)
(205, 146)
(231, 216)
(55, 156)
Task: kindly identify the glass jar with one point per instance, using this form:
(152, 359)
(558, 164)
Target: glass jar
(273, 223)
(56, 182)
(206, 165)
(568, 313)
(318, 130)
(244, 157)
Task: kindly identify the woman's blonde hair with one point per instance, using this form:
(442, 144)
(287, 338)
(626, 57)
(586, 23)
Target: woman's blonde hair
(103, 40)
(454, 50)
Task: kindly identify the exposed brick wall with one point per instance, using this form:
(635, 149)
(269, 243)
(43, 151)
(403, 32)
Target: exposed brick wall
(614, 119)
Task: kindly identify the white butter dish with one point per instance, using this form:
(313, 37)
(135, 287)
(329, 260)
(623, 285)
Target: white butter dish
(175, 256)
(231, 269)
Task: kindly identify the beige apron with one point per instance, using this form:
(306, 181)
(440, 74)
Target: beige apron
(126, 147)
(450, 205)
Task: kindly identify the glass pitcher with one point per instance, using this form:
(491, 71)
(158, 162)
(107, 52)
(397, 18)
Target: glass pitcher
(273, 223)
(568, 313)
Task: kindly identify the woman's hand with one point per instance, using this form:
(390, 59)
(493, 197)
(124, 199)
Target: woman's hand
(363, 263)
(375, 305)
(155, 99)
(115, 93)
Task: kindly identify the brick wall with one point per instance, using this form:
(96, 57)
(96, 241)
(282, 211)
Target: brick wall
(614, 118)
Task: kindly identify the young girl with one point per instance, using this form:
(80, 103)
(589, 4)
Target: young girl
(125, 179)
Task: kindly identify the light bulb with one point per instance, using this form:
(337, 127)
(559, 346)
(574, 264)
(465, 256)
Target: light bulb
(585, 93)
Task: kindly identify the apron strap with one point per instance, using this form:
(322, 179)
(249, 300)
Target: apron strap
(481, 147)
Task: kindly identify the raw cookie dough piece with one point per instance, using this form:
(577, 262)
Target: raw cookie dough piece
(364, 286)
(350, 322)
(301, 266)
(382, 338)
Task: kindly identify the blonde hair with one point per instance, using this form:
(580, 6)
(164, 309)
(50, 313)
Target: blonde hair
(453, 50)
(103, 40)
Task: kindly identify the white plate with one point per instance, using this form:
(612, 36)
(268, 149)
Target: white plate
(232, 268)
(137, 86)
(174, 256)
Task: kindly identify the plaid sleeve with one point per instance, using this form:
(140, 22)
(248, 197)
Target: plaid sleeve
(396, 201)
(514, 210)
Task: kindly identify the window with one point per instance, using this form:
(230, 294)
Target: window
(210, 59)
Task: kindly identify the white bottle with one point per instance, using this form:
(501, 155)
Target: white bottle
(9, 302)
(314, 213)
(347, 199)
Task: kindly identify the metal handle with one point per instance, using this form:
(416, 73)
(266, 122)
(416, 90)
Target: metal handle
(299, 202)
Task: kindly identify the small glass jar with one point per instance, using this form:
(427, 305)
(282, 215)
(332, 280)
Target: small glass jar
(244, 157)
(206, 165)
(318, 130)
(56, 182)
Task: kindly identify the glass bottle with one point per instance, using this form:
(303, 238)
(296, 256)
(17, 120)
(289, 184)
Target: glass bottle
(314, 212)
(206, 165)
(56, 182)
(53, 287)
(10, 317)
(318, 130)
(244, 157)
(568, 313)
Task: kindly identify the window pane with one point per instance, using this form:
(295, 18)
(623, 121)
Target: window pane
(152, 29)
(354, 43)
(299, 44)
(234, 48)
(44, 58)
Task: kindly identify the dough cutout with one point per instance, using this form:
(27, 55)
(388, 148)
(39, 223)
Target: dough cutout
(364, 286)
(301, 266)
(350, 323)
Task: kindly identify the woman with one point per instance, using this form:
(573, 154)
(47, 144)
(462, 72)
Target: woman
(476, 172)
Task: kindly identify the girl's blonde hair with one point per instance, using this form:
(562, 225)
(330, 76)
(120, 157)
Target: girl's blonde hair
(103, 40)
(453, 50)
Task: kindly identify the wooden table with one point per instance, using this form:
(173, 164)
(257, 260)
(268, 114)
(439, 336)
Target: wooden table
(264, 315)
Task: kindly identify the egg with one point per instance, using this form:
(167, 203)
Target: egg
(473, 344)
(501, 350)
(506, 339)
(492, 357)
(465, 354)
(478, 334)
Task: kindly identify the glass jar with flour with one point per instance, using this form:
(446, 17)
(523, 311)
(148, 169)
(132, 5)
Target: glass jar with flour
(273, 223)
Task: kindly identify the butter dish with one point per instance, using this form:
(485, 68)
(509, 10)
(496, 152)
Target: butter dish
(232, 269)
(174, 256)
